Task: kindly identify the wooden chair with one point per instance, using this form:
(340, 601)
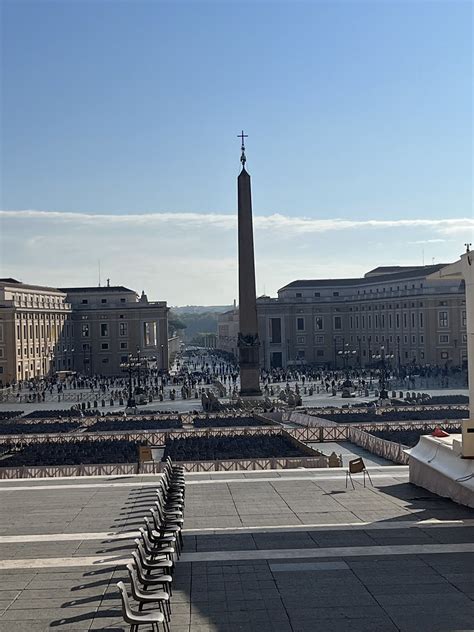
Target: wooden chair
(356, 466)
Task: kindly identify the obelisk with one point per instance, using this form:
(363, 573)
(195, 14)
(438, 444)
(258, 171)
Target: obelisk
(248, 342)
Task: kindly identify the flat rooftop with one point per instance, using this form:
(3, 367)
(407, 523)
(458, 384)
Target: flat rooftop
(271, 551)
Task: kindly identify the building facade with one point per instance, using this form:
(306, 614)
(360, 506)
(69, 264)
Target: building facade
(36, 333)
(91, 330)
(393, 311)
(113, 322)
(228, 331)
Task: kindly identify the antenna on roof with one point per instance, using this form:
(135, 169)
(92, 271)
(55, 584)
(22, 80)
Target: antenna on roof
(99, 271)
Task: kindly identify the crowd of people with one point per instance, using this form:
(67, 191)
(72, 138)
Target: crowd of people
(196, 371)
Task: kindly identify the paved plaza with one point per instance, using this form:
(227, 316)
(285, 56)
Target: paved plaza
(276, 551)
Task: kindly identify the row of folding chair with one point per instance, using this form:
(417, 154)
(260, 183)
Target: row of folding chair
(158, 547)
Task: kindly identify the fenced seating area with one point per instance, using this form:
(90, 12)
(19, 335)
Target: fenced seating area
(38, 427)
(225, 422)
(71, 453)
(53, 414)
(218, 448)
(10, 414)
(417, 413)
(408, 438)
(135, 423)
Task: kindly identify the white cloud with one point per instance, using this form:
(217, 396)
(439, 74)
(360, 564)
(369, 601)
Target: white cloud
(274, 222)
(189, 258)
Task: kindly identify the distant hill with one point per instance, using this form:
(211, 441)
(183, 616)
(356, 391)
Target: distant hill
(200, 309)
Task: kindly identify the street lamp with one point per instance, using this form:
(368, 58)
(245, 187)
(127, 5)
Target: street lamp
(346, 354)
(131, 366)
(380, 357)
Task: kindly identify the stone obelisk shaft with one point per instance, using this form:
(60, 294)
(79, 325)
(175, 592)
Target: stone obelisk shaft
(248, 327)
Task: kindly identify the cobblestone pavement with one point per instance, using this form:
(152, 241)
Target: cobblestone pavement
(279, 551)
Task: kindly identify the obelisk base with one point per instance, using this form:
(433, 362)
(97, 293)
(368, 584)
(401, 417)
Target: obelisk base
(250, 382)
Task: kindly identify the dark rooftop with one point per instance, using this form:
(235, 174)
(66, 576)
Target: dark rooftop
(98, 289)
(400, 274)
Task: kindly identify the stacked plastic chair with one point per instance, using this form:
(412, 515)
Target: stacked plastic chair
(158, 547)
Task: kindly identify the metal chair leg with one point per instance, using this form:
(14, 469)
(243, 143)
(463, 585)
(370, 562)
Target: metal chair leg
(370, 478)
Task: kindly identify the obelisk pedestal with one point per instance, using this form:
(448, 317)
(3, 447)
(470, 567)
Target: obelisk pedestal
(248, 341)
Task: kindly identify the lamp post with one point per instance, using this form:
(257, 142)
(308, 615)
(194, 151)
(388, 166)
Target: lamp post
(380, 357)
(131, 366)
(163, 358)
(398, 356)
(346, 354)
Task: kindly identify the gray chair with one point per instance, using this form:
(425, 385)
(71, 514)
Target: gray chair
(147, 580)
(161, 597)
(135, 619)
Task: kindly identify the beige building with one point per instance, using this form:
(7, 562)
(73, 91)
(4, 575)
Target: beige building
(90, 330)
(228, 331)
(36, 333)
(414, 319)
(112, 322)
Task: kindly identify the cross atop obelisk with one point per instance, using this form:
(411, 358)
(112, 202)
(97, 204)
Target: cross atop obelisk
(243, 159)
(248, 341)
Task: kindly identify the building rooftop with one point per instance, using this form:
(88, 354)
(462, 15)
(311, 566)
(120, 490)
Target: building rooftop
(28, 286)
(399, 274)
(98, 289)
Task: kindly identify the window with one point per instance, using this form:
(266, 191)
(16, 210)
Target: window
(123, 329)
(421, 320)
(275, 330)
(104, 346)
(300, 340)
(122, 300)
(464, 338)
(463, 319)
(123, 345)
(103, 300)
(422, 339)
(443, 319)
(405, 340)
(86, 346)
(413, 339)
(105, 360)
(319, 340)
(405, 320)
(397, 321)
(317, 294)
(337, 322)
(300, 324)
(123, 358)
(149, 333)
(444, 355)
(320, 353)
(104, 329)
(413, 319)
(85, 330)
(422, 355)
(318, 323)
(335, 293)
(298, 295)
(443, 338)
(300, 354)
(84, 301)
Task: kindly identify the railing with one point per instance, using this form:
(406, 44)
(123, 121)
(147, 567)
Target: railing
(381, 447)
(56, 471)
(233, 465)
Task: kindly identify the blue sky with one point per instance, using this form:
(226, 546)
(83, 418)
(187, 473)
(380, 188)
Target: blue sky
(356, 111)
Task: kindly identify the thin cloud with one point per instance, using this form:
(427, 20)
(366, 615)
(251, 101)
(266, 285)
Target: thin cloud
(275, 222)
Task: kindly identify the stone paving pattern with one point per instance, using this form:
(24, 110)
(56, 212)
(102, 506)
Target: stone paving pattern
(284, 566)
